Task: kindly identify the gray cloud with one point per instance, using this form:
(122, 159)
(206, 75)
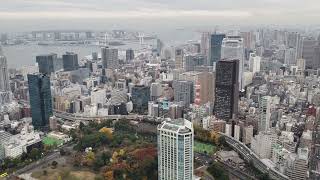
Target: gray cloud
(178, 12)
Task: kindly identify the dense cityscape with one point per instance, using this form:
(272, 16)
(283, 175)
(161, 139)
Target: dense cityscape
(230, 105)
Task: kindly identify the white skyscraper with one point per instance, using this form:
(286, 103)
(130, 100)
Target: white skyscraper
(232, 48)
(265, 114)
(254, 63)
(175, 150)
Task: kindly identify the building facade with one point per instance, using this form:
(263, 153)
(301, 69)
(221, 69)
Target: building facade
(49, 63)
(226, 89)
(109, 58)
(140, 96)
(232, 48)
(183, 92)
(215, 48)
(129, 55)
(175, 150)
(40, 100)
(70, 61)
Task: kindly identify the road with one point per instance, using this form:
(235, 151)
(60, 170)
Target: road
(133, 117)
(206, 160)
(249, 155)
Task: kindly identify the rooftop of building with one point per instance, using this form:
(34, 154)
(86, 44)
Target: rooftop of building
(178, 126)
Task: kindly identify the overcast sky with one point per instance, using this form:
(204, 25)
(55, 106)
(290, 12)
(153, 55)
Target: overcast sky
(29, 13)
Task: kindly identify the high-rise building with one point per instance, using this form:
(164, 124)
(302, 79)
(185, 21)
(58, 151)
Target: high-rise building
(248, 40)
(159, 47)
(94, 56)
(232, 48)
(308, 50)
(40, 100)
(109, 58)
(175, 150)
(297, 165)
(49, 63)
(301, 63)
(183, 92)
(294, 40)
(204, 45)
(179, 58)
(290, 56)
(215, 48)
(4, 74)
(129, 55)
(5, 94)
(156, 91)
(203, 83)
(70, 61)
(247, 135)
(140, 96)
(254, 63)
(265, 113)
(193, 61)
(226, 89)
(316, 57)
(262, 143)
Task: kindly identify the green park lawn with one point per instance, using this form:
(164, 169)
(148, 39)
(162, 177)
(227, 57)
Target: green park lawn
(200, 147)
(51, 141)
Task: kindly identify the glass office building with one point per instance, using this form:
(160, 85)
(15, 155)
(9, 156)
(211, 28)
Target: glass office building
(40, 100)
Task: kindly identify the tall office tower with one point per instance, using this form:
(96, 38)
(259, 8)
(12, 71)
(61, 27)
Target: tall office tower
(227, 89)
(40, 100)
(183, 92)
(308, 50)
(159, 47)
(314, 164)
(215, 42)
(192, 61)
(156, 91)
(94, 56)
(4, 75)
(265, 113)
(203, 85)
(140, 96)
(49, 63)
(5, 94)
(254, 63)
(109, 58)
(175, 150)
(129, 55)
(248, 40)
(290, 56)
(204, 44)
(178, 56)
(70, 61)
(294, 40)
(297, 165)
(301, 63)
(316, 57)
(232, 48)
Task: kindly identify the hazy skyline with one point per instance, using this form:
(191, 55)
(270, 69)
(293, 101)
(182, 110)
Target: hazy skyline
(30, 13)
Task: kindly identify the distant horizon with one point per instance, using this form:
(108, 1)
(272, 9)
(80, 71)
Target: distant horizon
(26, 15)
